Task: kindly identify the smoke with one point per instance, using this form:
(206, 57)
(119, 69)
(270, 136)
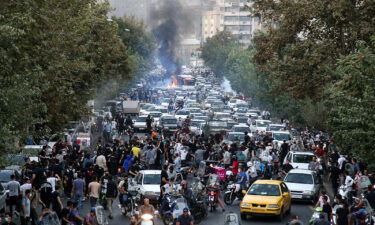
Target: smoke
(170, 22)
(226, 86)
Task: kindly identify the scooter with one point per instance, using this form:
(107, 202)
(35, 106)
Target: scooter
(147, 219)
(212, 200)
(131, 205)
(233, 192)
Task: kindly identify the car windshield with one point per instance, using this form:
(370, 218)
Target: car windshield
(156, 114)
(141, 119)
(301, 158)
(241, 129)
(242, 120)
(4, 176)
(218, 125)
(264, 189)
(152, 179)
(242, 110)
(221, 116)
(170, 121)
(262, 123)
(280, 136)
(196, 123)
(182, 112)
(275, 128)
(299, 178)
(241, 105)
(240, 137)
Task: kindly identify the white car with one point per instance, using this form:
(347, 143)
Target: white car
(279, 137)
(299, 160)
(156, 116)
(182, 113)
(222, 116)
(196, 126)
(140, 123)
(232, 103)
(276, 127)
(147, 183)
(303, 185)
(259, 125)
(241, 128)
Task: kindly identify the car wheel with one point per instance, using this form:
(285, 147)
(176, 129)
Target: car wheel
(280, 217)
(243, 216)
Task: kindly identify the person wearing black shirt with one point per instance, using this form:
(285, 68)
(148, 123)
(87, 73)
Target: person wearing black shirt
(334, 176)
(327, 208)
(65, 214)
(247, 138)
(149, 124)
(287, 167)
(283, 151)
(134, 169)
(342, 213)
(38, 175)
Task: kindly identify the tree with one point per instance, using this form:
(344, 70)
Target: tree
(352, 103)
(55, 55)
(216, 50)
(305, 38)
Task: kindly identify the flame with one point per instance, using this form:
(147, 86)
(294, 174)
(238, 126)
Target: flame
(174, 82)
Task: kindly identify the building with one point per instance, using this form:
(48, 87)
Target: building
(188, 47)
(230, 15)
(211, 23)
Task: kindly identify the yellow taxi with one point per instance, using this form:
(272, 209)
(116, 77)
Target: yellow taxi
(266, 198)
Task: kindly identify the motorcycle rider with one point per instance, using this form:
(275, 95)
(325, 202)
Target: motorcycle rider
(186, 192)
(185, 218)
(123, 190)
(242, 179)
(252, 173)
(146, 208)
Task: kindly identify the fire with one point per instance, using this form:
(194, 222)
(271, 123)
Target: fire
(174, 82)
(173, 85)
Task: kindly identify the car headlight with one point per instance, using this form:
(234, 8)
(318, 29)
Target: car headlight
(273, 206)
(245, 204)
(308, 192)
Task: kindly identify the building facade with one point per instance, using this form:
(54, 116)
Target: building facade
(230, 15)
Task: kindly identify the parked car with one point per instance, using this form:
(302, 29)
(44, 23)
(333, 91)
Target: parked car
(168, 124)
(303, 185)
(140, 123)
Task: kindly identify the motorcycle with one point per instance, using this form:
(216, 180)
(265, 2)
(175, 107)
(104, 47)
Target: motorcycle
(198, 207)
(315, 216)
(176, 204)
(233, 192)
(130, 206)
(213, 184)
(147, 219)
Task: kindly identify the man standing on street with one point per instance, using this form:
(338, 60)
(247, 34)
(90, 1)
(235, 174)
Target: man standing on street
(111, 194)
(78, 190)
(94, 190)
(14, 190)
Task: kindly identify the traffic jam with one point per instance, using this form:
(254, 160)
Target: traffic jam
(174, 150)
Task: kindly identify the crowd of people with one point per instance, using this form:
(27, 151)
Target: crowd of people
(61, 181)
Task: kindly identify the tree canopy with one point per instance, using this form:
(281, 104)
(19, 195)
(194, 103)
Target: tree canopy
(352, 103)
(54, 56)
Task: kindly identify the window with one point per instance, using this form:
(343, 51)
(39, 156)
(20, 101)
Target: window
(284, 188)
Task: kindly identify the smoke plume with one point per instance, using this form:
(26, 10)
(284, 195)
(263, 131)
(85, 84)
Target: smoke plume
(170, 21)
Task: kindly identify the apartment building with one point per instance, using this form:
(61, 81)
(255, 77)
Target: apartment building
(230, 15)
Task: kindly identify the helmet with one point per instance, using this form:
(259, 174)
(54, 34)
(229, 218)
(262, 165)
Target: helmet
(249, 164)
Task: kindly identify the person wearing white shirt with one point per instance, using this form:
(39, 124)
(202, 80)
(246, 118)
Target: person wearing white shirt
(249, 121)
(52, 180)
(183, 152)
(348, 182)
(341, 161)
(26, 186)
